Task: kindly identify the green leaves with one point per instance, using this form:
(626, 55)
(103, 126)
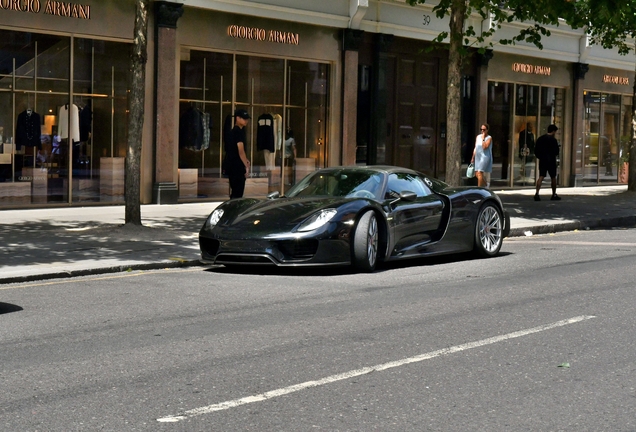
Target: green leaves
(610, 23)
(538, 14)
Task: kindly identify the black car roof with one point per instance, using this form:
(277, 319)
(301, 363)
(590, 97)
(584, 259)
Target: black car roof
(375, 168)
(433, 183)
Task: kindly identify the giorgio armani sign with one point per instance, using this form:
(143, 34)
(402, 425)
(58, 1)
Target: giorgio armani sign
(48, 7)
(260, 34)
(613, 79)
(531, 69)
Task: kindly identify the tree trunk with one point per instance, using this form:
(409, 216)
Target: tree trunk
(453, 103)
(631, 180)
(132, 179)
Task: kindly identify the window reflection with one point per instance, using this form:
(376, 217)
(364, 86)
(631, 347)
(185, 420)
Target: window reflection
(518, 114)
(604, 136)
(286, 137)
(59, 142)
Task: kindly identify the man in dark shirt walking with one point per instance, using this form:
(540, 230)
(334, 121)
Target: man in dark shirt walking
(238, 166)
(547, 151)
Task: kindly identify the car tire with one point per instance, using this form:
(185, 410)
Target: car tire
(489, 230)
(365, 242)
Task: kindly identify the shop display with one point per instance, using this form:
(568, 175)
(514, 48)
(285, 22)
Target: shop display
(49, 152)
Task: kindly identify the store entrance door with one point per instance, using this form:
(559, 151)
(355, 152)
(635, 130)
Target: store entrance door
(417, 114)
(525, 126)
(602, 137)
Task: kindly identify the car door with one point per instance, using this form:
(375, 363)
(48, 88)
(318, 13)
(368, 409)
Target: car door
(413, 223)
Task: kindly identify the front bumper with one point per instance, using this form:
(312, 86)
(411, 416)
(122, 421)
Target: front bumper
(289, 252)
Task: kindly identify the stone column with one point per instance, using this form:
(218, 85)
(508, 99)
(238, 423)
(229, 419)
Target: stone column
(578, 132)
(482, 86)
(379, 97)
(351, 44)
(165, 189)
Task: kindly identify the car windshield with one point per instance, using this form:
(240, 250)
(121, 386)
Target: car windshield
(340, 183)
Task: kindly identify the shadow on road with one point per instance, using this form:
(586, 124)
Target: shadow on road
(343, 270)
(6, 308)
(43, 242)
(571, 207)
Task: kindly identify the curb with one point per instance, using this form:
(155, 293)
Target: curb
(99, 270)
(622, 221)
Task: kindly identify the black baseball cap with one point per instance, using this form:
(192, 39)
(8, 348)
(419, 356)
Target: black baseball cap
(242, 114)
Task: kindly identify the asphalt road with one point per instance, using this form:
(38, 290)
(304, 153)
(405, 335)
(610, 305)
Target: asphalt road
(540, 338)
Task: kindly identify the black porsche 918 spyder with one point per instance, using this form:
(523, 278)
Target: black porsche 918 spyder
(360, 216)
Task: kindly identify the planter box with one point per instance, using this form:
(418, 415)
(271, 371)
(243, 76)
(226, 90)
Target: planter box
(84, 190)
(304, 166)
(111, 179)
(39, 183)
(256, 187)
(188, 183)
(16, 193)
(213, 187)
(623, 173)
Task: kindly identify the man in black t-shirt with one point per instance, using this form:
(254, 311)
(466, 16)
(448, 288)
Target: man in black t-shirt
(237, 165)
(547, 151)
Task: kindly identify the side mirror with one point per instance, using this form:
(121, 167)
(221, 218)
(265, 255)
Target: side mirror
(408, 196)
(273, 195)
(405, 196)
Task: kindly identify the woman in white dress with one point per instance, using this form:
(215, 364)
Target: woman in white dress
(482, 157)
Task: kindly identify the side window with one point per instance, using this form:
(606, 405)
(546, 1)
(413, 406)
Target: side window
(405, 182)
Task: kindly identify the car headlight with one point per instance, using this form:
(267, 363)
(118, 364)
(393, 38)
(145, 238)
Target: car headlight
(317, 220)
(215, 217)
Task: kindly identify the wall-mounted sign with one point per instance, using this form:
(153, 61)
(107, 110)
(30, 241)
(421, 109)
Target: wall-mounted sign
(51, 7)
(531, 69)
(259, 34)
(612, 79)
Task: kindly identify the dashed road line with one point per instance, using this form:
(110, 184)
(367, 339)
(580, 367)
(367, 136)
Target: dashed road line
(572, 243)
(363, 371)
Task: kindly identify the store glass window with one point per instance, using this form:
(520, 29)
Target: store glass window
(100, 95)
(63, 134)
(607, 128)
(500, 120)
(205, 100)
(287, 102)
(518, 114)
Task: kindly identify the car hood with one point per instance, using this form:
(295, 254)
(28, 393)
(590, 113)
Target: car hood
(256, 217)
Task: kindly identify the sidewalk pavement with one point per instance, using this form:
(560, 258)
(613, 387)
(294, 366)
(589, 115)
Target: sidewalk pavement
(50, 243)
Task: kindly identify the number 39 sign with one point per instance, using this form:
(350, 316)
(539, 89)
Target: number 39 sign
(426, 20)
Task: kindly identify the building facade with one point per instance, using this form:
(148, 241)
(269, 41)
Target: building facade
(325, 83)
(63, 90)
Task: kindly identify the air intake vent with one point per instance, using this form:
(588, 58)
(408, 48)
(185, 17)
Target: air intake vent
(298, 249)
(243, 259)
(209, 246)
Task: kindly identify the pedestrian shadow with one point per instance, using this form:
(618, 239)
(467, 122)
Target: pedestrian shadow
(47, 241)
(6, 308)
(571, 207)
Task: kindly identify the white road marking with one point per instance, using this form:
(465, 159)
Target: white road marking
(575, 243)
(354, 373)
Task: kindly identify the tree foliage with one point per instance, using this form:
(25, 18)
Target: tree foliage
(612, 24)
(609, 23)
(537, 14)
